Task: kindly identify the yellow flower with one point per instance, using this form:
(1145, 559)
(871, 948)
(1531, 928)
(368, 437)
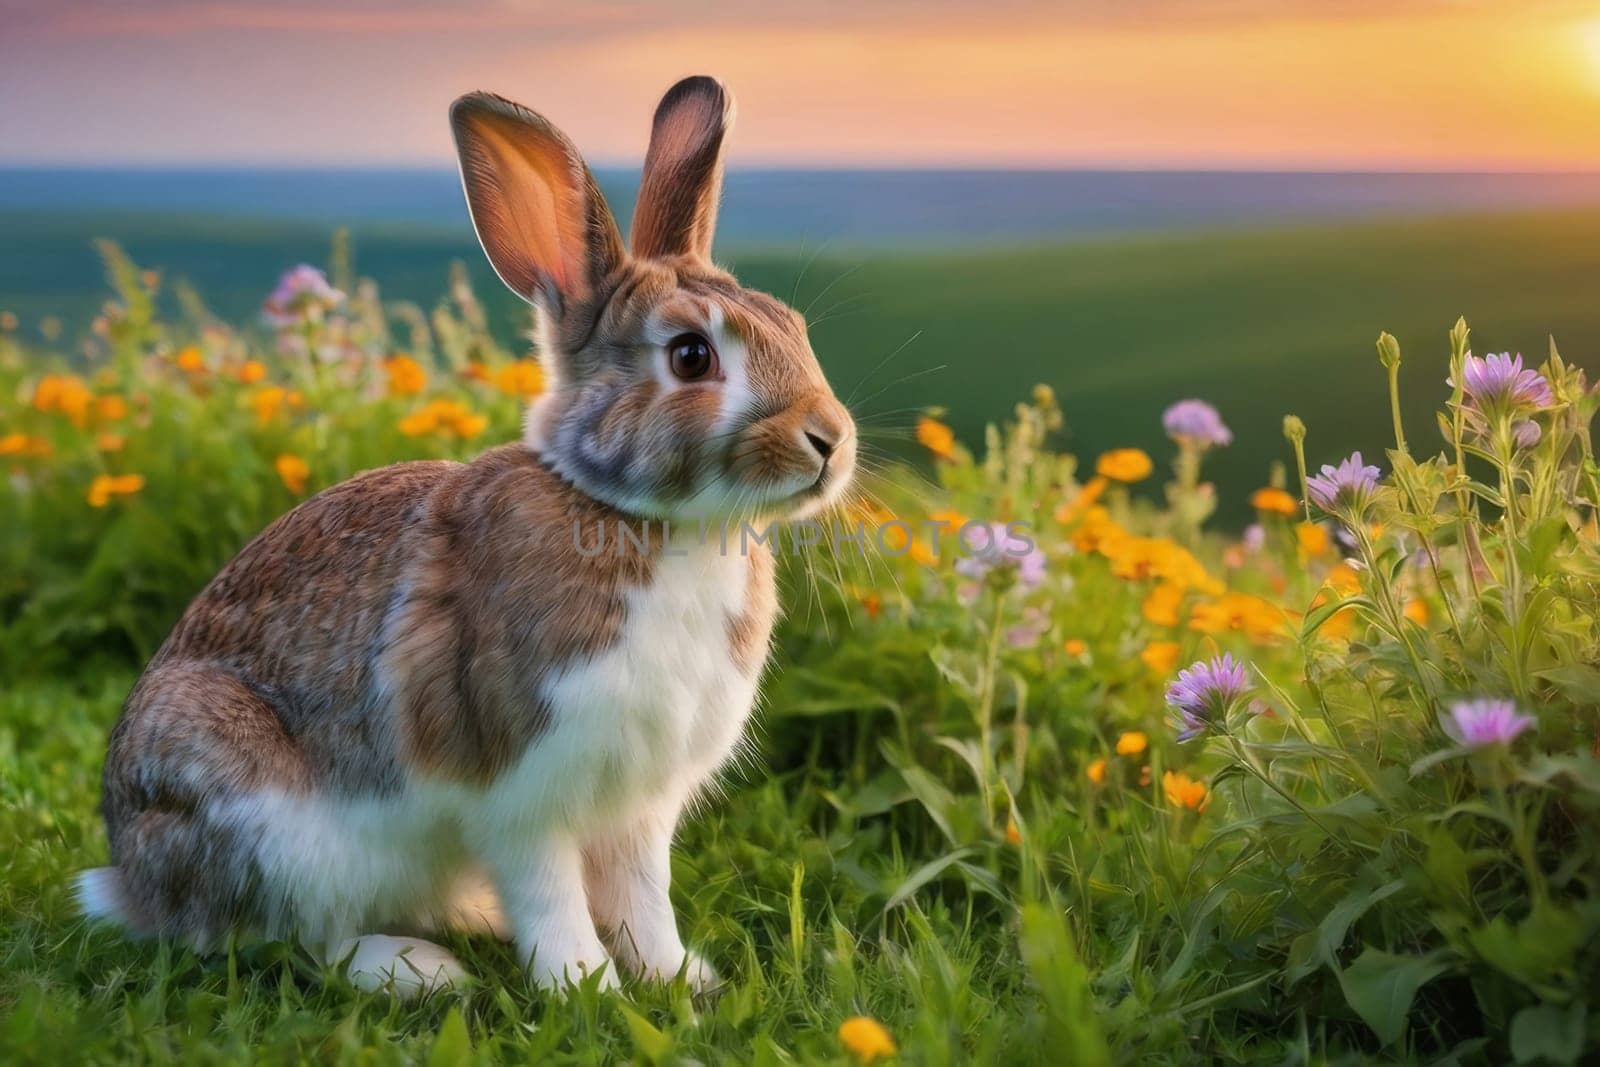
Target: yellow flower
(1124, 465)
(1257, 619)
(1132, 743)
(110, 408)
(406, 376)
(866, 1039)
(1098, 532)
(470, 426)
(936, 437)
(252, 371)
(190, 360)
(1341, 582)
(63, 394)
(110, 442)
(1096, 771)
(524, 378)
(1161, 656)
(1313, 539)
(1075, 647)
(1161, 604)
(1417, 612)
(1274, 500)
(294, 472)
(1183, 791)
(13, 444)
(106, 486)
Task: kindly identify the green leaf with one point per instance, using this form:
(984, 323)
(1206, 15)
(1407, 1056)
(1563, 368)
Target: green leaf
(1380, 986)
(453, 1046)
(1546, 1033)
(651, 1042)
(1577, 682)
(1063, 981)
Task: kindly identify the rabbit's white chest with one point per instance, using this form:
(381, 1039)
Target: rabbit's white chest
(655, 715)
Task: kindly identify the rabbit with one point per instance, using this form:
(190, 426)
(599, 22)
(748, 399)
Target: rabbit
(422, 698)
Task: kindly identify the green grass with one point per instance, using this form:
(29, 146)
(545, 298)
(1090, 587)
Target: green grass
(1259, 321)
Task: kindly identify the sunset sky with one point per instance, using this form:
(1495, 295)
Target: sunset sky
(1503, 84)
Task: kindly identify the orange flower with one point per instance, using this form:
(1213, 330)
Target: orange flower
(63, 394)
(268, 401)
(109, 442)
(866, 1039)
(1161, 603)
(1258, 619)
(476, 371)
(443, 416)
(936, 437)
(1161, 656)
(190, 360)
(406, 376)
(872, 604)
(110, 408)
(294, 472)
(1183, 791)
(1098, 532)
(1341, 582)
(1096, 771)
(106, 486)
(1013, 835)
(252, 371)
(524, 378)
(21, 444)
(1124, 465)
(1417, 611)
(1274, 500)
(1075, 647)
(1086, 498)
(1313, 539)
(953, 520)
(1132, 743)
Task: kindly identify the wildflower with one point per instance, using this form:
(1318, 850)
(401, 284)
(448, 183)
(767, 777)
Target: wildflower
(937, 438)
(476, 371)
(1096, 771)
(106, 486)
(1312, 540)
(524, 379)
(1417, 611)
(1497, 383)
(866, 1039)
(251, 371)
(1196, 422)
(872, 604)
(1525, 433)
(1203, 693)
(1097, 532)
(191, 360)
(110, 442)
(1183, 791)
(63, 394)
(1340, 583)
(294, 472)
(1258, 619)
(1132, 743)
(1075, 647)
(267, 401)
(1161, 604)
(1085, 498)
(406, 376)
(1273, 500)
(443, 416)
(1000, 548)
(302, 295)
(1155, 557)
(1013, 835)
(1161, 656)
(110, 408)
(1484, 723)
(470, 426)
(1124, 465)
(13, 444)
(1347, 487)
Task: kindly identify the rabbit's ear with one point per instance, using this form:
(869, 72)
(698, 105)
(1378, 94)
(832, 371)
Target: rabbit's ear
(539, 215)
(682, 181)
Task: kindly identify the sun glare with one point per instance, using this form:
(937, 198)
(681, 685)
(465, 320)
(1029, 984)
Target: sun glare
(1589, 34)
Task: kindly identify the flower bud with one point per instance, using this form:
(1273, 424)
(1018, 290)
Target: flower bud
(1388, 350)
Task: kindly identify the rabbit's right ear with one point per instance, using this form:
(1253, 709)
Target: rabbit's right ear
(539, 215)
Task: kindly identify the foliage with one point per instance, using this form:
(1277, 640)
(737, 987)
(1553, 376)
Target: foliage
(975, 834)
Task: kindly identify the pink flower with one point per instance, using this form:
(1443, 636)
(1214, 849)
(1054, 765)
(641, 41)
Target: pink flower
(1484, 723)
(1350, 484)
(998, 546)
(302, 294)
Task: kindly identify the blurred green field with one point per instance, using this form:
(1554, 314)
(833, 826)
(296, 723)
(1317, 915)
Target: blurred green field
(1259, 321)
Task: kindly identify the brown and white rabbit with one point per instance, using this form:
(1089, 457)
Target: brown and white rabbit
(426, 679)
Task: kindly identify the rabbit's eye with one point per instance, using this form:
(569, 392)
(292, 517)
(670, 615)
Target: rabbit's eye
(691, 356)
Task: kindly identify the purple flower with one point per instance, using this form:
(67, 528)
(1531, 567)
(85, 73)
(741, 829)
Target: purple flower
(1526, 433)
(996, 545)
(1482, 723)
(1499, 381)
(1197, 422)
(1203, 693)
(1255, 538)
(1347, 485)
(302, 293)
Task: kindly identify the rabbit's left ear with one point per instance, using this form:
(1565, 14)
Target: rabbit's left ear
(682, 180)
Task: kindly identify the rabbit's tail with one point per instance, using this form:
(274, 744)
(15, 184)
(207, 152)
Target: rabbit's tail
(101, 896)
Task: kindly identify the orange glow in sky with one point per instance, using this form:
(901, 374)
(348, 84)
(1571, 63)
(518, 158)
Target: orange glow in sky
(1503, 84)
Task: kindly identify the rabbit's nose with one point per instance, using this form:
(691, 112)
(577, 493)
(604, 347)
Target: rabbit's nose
(825, 430)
